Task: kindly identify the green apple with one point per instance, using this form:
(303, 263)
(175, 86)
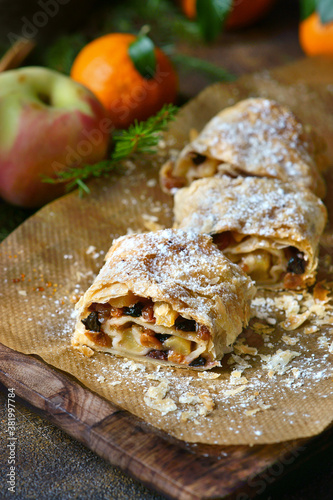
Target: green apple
(48, 122)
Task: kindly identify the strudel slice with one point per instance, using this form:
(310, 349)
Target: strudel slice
(255, 137)
(169, 297)
(269, 228)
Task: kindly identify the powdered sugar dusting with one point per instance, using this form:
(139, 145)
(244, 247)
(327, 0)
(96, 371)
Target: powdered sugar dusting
(257, 136)
(252, 206)
(179, 267)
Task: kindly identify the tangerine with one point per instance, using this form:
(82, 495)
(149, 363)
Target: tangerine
(106, 68)
(316, 37)
(243, 12)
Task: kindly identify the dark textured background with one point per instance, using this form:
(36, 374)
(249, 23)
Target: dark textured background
(51, 465)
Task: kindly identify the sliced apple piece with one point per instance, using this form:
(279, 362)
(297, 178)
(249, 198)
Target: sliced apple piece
(178, 344)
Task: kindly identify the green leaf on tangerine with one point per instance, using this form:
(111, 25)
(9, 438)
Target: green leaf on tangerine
(307, 8)
(211, 16)
(142, 53)
(325, 10)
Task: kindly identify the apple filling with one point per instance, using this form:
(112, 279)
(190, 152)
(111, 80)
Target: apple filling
(145, 328)
(266, 261)
(198, 166)
(189, 168)
(193, 166)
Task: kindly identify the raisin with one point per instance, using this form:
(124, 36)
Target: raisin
(197, 158)
(148, 339)
(155, 354)
(176, 358)
(293, 281)
(96, 306)
(296, 264)
(91, 322)
(200, 361)
(101, 339)
(203, 332)
(134, 310)
(102, 309)
(162, 337)
(116, 312)
(222, 240)
(148, 313)
(186, 325)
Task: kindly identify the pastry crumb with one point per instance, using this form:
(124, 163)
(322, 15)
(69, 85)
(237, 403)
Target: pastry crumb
(189, 415)
(151, 376)
(288, 340)
(277, 363)
(249, 413)
(311, 329)
(245, 349)
(156, 398)
(84, 349)
(293, 322)
(208, 375)
(207, 401)
(133, 366)
(233, 392)
(189, 398)
(151, 223)
(204, 405)
(262, 407)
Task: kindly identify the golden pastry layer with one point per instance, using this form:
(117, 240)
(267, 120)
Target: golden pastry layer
(269, 228)
(168, 296)
(256, 137)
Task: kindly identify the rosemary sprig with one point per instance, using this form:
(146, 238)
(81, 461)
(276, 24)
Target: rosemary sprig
(139, 138)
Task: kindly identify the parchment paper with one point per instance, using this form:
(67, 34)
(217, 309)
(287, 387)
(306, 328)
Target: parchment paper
(54, 256)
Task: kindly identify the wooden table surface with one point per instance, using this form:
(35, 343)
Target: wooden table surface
(52, 465)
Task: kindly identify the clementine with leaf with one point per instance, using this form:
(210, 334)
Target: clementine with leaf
(315, 36)
(235, 14)
(131, 77)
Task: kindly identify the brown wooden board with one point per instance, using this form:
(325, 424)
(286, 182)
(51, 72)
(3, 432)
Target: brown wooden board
(178, 470)
(175, 468)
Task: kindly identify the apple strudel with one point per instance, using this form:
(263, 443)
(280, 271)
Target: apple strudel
(269, 228)
(169, 296)
(256, 137)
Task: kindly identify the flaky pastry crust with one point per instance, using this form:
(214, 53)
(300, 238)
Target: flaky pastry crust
(183, 270)
(270, 213)
(256, 137)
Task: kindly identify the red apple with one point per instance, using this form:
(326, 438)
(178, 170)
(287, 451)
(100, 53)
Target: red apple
(48, 122)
